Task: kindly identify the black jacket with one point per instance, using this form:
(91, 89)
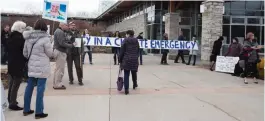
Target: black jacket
(72, 35)
(164, 50)
(181, 38)
(16, 59)
(4, 37)
(217, 47)
(140, 37)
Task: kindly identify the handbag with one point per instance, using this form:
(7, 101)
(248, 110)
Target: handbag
(120, 80)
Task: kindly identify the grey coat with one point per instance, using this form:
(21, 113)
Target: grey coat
(60, 41)
(39, 61)
(129, 54)
(253, 55)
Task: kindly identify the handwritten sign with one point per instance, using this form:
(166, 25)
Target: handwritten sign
(226, 64)
(147, 44)
(55, 11)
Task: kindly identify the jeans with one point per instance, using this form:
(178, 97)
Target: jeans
(13, 86)
(89, 56)
(164, 58)
(116, 55)
(41, 84)
(141, 56)
(194, 59)
(126, 78)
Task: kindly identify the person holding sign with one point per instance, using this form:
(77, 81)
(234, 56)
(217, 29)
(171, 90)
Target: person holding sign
(116, 50)
(164, 52)
(129, 59)
(250, 56)
(74, 54)
(87, 49)
(60, 48)
(193, 52)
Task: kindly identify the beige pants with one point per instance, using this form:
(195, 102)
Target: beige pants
(60, 61)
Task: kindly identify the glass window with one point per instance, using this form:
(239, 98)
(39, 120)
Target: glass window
(254, 13)
(253, 5)
(157, 19)
(262, 5)
(238, 5)
(238, 20)
(262, 35)
(238, 31)
(199, 31)
(226, 19)
(226, 33)
(158, 5)
(227, 12)
(185, 21)
(253, 20)
(237, 12)
(227, 5)
(151, 14)
(157, 12)
(185, 14)
(256, 31)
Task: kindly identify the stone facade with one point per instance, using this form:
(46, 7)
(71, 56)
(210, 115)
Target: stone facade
(137, 24)
(172, 29)
(212, 24)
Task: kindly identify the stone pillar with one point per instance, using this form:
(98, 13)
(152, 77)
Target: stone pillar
(172, 29)
(212, 28)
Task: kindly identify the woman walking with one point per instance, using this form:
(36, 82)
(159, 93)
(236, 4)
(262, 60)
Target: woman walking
(38, 50)
(16, 63)
(216, 51)
(87, 49)
(129, 59)
(250, 56)
(164, 52)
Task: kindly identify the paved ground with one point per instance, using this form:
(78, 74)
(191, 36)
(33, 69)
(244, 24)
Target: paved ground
(166, 93)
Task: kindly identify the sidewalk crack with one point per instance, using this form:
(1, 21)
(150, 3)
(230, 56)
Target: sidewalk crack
(169, 81)
(218, 108)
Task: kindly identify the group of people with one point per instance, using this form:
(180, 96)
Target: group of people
(247, 53)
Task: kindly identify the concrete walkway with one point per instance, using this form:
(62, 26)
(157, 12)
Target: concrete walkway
(166, 93)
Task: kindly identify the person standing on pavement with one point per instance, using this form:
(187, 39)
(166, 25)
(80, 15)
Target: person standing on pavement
(193, 52)
(87, 49)
(4, 39)
(164, 52)
(129, 59)
(251, 58)
(140, 36)
(216, 51)
(16, 63)
(38, 50)
(180, 52)
(60, 48)
(74, 55)
(116, 50)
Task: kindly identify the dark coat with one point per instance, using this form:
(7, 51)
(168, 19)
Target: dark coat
(140, 37)
(129, 54)
(181, 38)
(217, 47)
(164, 50)
(16, 59)
(72, 35)
(4, 37)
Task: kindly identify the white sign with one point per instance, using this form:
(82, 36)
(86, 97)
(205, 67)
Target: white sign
(226, 64)
(55, 10)
(146, 44)
(78, 42)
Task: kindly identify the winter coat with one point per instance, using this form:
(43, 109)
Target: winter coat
(250, 53)
(39, 61)
(4, 37)
(192, 51)
(140, 37)
(16, 60)
(217, 47)
(165, 50)
(71, 36)
(234, 50)
(129, 54)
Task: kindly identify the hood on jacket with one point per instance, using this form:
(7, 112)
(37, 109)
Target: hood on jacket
(33, 36)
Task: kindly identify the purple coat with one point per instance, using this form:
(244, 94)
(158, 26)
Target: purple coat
(129, 54)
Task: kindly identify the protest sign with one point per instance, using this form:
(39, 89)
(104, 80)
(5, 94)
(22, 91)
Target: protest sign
(146, 44)
(226, 64)
(55, 11)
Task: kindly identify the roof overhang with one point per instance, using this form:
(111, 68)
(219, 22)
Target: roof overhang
(118, 8)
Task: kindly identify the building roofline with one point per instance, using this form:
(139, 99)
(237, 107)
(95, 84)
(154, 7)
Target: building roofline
(109, 9)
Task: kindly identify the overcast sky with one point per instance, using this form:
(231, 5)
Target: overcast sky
(25, 6)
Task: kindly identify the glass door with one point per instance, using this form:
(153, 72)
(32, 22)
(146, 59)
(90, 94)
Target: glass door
(186, 33)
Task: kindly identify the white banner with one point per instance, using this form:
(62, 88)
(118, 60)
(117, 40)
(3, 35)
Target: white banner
(226, 64)
(146, 44)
